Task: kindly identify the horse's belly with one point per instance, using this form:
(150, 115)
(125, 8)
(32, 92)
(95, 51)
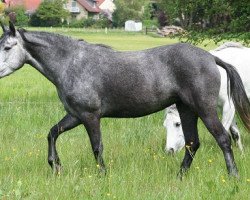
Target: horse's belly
(127, 108)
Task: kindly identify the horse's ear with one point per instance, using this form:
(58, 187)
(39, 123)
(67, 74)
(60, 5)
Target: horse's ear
(3, 27)
(12, 28)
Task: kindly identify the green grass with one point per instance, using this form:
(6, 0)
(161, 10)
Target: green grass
(137, 166)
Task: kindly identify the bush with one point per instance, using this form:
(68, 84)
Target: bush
(76, 24)
(150, 23)
(17, 15)
(35, 20)
(50, 13)
(88, 22)
(102, 23)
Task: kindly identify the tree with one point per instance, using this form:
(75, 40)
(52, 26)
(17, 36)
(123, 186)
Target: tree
(49, 13)
(216, 19)
(21, 18)
(128, 9)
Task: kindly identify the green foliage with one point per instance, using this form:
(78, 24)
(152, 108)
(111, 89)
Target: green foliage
(76, 24)
(148, 10)
(210, 18)
(21, 18)
(50, 13)
(88, 22)
(18, 15)
(150, 23)
(128, 10)
(101, 23)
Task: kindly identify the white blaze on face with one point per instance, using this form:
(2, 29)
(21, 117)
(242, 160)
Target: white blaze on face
(175, 139)
(12, 55)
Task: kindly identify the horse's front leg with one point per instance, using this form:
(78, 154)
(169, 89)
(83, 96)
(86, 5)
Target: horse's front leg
(192, 143)
(91, 122)
(67, 123)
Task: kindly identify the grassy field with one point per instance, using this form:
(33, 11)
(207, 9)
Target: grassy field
(138, 168)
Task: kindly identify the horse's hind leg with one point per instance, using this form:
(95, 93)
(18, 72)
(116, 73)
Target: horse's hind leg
(189, 126)
(213, 124)
(235, 133)
(67, 123)
(91, 122)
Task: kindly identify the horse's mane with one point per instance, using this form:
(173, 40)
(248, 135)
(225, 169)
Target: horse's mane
(228, 45)
(47, 34)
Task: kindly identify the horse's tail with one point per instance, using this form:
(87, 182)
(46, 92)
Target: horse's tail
(237, 91)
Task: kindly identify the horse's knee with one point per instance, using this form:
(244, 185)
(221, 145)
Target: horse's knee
(193, 146)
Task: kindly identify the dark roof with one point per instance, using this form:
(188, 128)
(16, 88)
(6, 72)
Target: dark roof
(99, 2)
(89, 7)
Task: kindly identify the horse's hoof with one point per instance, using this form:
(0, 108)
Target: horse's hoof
(102, 171)
(234, 174)
(57, 170)
(182, 173)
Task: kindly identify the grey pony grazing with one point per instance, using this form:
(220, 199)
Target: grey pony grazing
(95, 82)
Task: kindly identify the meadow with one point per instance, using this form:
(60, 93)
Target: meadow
(138, 167)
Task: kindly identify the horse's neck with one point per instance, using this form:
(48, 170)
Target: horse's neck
(47, 56)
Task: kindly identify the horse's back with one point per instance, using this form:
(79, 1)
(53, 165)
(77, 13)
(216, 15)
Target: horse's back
(139, 83)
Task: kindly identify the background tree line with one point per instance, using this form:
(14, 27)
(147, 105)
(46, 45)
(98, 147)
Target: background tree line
(216, 19)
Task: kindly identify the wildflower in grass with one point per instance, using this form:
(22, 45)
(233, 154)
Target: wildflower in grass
(248, 180)
(108, 194)
(210, 160)
(197, 167)
(98, 166)
(223, 179)
(7, 158)
(90, 176)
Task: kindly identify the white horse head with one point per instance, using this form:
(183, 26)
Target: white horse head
(175, 138)
(12, 53)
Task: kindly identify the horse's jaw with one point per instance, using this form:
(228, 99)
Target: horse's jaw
(5, 71)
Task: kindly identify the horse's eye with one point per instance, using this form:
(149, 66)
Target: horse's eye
(177, 124)
(7, 48)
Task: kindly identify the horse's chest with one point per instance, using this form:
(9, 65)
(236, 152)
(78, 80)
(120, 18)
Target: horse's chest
(79, 100)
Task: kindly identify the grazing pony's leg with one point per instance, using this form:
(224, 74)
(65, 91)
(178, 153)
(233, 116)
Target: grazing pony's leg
(189, 126)
(235, 133)
(67, 123)
(213, 124)
(229, 123)
(91, 122)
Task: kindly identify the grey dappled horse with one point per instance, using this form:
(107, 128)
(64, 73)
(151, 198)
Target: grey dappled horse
(94, 81)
